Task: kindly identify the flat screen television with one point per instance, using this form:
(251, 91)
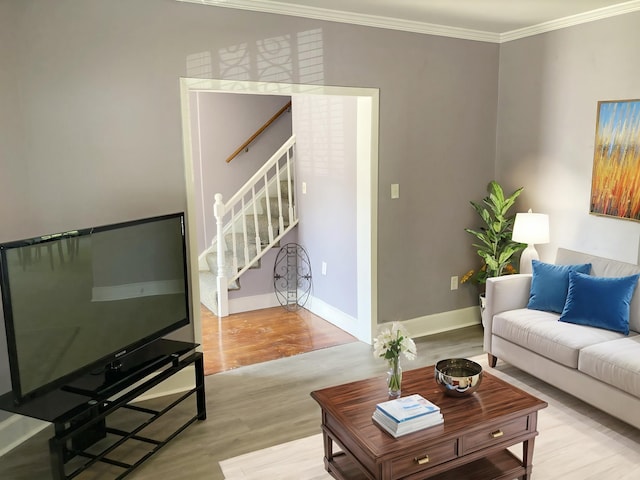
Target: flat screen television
(82, 300)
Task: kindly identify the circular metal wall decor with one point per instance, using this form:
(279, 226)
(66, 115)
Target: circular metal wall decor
(292, 276)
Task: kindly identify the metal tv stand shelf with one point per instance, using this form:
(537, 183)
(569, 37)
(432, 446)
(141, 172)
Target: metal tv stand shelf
(82, 434)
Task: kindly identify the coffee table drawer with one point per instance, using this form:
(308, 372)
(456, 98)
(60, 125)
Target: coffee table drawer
(425, 458)
(495, 434)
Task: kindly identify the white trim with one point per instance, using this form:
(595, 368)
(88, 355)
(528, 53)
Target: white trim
(363, 19)
(441, 322)
(417, 327)
(279, 8)
(255, 302)
(191, 222)
(579, 19)
(367, 241)
(17, 429)
(366, 216)
(338, 318)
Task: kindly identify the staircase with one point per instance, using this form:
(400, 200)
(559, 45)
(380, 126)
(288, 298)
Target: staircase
(250, 223)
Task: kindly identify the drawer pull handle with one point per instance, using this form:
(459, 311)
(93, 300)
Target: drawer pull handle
(497, 434)
(423, 460)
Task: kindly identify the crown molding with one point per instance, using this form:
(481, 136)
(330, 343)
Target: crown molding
(280, 8)
(267, 6)
(579, 19)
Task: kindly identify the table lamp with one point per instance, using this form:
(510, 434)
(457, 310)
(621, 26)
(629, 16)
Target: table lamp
(530, 228)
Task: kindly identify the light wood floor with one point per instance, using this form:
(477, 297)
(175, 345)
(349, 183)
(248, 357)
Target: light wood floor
(248, 408)
(254, 337)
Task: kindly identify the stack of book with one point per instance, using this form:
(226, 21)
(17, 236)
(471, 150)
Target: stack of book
(407, 414)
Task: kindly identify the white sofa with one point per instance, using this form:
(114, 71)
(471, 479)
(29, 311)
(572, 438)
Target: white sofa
(599, 366)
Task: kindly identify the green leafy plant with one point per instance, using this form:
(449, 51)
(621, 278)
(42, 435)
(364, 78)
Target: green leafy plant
(495, 246)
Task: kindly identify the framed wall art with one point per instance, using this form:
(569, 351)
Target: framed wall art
(615, 181)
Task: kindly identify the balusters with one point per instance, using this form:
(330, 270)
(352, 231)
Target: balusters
(231, 218)
(233, 241)
(279, 190)
(244, 233)
(268, 205)
(290, 189)
(255, 219)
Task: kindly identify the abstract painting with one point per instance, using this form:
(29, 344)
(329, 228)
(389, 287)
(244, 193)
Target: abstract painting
(615, 182)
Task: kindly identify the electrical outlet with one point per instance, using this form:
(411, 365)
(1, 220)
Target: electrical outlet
(304, 188)
(454, 282)
(324, 268)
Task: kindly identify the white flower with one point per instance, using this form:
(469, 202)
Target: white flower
(390, 342)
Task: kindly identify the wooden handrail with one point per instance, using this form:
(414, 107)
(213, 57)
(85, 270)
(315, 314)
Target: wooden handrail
(260, 130)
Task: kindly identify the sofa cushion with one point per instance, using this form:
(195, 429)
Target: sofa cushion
(550, 284)
(601, 302)
(605, 267)
(616, 363)
(541, 333)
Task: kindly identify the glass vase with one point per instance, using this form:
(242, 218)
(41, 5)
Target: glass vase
(394, 378)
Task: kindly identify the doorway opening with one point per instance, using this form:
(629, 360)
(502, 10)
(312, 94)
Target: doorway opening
(363, 328)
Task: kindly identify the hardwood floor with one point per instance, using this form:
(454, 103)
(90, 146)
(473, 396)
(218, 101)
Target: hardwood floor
(254, 337)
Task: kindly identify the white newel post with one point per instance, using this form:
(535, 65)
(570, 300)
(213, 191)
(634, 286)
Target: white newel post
(222, 283)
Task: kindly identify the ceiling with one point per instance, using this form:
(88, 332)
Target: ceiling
(483, 20)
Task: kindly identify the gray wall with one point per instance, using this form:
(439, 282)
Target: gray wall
(14, 207)
(325, 128)
(101, 140)
(549, 89)
(13, 181)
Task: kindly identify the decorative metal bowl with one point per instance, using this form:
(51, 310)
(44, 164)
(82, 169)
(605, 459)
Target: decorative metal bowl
(458, 377)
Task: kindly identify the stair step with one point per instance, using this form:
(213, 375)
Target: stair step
(273, 206)
(239, 240)
(284, 188)
(263, 228)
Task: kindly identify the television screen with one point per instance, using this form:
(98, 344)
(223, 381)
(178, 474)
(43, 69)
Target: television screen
(76, 301)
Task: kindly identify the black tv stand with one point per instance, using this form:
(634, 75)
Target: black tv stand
(79, 411)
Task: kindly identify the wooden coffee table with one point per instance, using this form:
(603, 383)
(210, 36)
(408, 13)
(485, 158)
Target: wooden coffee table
(471, 444)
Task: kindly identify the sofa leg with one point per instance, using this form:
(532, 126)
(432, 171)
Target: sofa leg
(493, 360)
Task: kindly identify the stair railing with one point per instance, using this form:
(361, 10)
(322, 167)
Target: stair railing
(231, 218)
(245, 145)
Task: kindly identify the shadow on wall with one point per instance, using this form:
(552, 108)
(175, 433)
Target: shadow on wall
(291, 58)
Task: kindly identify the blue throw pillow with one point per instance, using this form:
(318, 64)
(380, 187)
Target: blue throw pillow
(601, 302)
(550, 283)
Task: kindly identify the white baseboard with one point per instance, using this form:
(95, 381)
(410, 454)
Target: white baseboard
(442, 322)
(17, 428)
(256, 302)
(418, 327)
(337, 317)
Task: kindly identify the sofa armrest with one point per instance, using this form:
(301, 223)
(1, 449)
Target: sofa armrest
(508, 292)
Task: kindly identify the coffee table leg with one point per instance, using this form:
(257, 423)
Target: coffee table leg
(527, 457)
(328, 450)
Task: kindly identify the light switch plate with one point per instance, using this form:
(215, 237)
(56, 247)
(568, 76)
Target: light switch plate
(395, 190)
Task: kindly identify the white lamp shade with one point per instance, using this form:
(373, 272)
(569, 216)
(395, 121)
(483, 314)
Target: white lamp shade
(531, 228)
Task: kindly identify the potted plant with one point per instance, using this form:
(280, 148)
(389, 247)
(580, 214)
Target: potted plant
(494, 244)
